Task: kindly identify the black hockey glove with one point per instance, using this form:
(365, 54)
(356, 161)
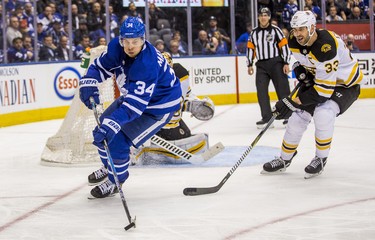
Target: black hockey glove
(285, 107)
(303, 75)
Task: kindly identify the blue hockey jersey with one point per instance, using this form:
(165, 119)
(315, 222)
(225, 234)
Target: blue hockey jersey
(147, 83)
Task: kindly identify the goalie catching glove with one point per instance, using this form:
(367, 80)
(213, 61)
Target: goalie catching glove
(88, 88)
(107, 131)
(201, 109)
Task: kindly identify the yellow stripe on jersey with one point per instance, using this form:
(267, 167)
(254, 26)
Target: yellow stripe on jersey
(355, 76)
(294, 50)
(184, 78)
(334, 36)
(329, 83)
(323, 91)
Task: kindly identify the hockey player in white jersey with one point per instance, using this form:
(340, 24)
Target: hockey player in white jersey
(331, 83)
(150, 94)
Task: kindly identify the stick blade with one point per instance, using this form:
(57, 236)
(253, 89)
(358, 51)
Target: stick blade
(200, 191)
(213, 151)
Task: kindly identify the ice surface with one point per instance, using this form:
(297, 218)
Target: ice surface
(40, 202)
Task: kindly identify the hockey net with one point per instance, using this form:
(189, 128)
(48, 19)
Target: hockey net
(72, 144)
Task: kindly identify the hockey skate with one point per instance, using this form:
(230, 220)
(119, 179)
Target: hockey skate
(103, 190)
(277, 165)
(315, 168)
(98, 176)
(262, 123)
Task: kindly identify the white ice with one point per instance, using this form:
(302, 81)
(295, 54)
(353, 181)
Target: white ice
(39, 202)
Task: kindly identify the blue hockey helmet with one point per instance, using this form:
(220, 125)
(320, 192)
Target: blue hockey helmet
(132, 27)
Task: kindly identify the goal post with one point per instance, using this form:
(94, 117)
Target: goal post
(72, 144)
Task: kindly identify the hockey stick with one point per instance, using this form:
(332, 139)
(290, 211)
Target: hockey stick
(110, 160)
(193, 158)
(194, 191)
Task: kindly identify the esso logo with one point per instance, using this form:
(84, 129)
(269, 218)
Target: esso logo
(66, 83)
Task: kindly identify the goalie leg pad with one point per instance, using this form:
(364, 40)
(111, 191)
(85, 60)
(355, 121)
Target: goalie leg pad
(154, 154)
(176, 133)
(201, 109)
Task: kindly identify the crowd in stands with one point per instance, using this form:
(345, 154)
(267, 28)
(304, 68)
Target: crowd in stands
(167, 31)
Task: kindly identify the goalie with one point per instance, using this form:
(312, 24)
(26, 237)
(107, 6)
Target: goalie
(176, 131)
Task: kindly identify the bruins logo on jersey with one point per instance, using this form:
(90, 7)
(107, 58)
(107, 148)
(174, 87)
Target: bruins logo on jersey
(325, 48)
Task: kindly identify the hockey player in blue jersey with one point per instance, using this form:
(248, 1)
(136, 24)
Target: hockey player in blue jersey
(151, 93)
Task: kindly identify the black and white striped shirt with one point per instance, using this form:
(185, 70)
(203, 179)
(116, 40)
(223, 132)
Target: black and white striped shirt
(267, 43)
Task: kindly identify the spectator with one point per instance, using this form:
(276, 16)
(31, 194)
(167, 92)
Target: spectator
(355, 14)
(45, 18)
(40, 33)
(28, 43)
(75, 17)
(28, 14)
(81, 47)
(213, 27)
(81, 31)
(83, 8)
(290, 8)
(95, 18)
(160, 45)
(155, 13)
(56, 32)
(350, 43)
(113, 18)
(62, 51)
(211, 46)
(132, 11)
(241, 43)
(17, 53)
(56, 15)
(13, 30)
(339, 9)
(313, 7)
(174, 48)
(333, 15)
(222, 47)
(47, 50)
(200, 43)
(275, 22)
(285, 32)
(101, 41)
(183, 47)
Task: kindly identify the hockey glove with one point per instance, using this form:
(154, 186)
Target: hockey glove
(285, 107)
(201, 109)
(107, 131)
(303, 75)
(88, 88)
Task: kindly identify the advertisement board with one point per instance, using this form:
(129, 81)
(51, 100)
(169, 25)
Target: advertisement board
(179, 3)
(360, 30)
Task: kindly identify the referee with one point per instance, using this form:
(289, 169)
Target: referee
(269, 46)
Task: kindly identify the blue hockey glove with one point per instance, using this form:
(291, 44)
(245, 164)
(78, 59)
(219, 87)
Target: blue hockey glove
(303, 75)
(107, 131)
(285, 107)
(88, 88)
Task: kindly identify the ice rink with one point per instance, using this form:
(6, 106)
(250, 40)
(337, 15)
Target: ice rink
(50, 203)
